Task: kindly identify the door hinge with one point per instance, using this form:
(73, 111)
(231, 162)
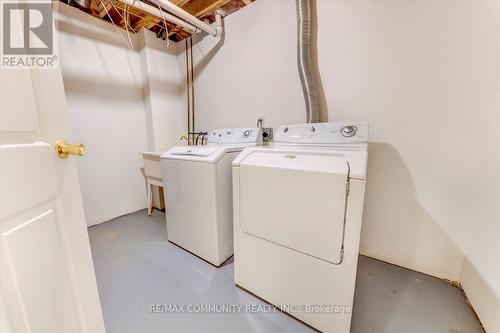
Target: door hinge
(347, 187)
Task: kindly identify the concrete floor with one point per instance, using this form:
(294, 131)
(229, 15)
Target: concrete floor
(137, 267)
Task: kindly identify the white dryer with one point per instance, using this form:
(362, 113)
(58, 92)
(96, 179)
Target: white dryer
(297, 218)
(198, 192)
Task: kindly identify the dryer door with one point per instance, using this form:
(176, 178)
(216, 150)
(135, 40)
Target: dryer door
(295, 199)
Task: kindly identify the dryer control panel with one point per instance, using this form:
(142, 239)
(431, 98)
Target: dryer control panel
(228, 136)
(323, 133)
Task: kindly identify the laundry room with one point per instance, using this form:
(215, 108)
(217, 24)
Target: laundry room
(250, 166)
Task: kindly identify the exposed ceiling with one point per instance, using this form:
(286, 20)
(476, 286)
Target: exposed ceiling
(133, 19)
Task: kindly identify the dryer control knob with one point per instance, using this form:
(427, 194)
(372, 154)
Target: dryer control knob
(348, 131)
(247, 133)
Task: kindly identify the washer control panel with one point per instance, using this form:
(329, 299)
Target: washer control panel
(246, 135)
(323, 133)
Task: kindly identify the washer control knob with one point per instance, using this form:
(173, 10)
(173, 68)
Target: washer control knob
(348, 131)
(247, 133)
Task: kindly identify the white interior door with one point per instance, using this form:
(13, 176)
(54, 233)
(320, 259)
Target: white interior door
(47, 280)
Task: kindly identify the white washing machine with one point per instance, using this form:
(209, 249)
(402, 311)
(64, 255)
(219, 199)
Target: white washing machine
(198, 192)
(297, 218)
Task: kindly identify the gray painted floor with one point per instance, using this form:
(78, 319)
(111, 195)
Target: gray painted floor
(137, 267)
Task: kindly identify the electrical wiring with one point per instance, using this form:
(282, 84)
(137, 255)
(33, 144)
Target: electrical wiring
(126, 22)
(129, 12)
(117, 30)
(165, 23)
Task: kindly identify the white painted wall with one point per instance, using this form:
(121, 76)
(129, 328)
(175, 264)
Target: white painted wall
(121, 102)
(424, 74)
(251, 71)
(164, 91)
(480, 274)
(103, 85)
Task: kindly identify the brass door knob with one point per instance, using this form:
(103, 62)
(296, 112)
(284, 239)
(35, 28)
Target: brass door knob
(64, 149)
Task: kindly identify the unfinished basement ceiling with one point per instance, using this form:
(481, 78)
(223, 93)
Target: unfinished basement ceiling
(133, 19)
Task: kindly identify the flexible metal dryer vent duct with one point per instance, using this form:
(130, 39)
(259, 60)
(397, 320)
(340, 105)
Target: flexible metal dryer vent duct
(304, 60)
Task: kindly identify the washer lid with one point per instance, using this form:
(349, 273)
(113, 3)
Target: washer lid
(193, 151)
(203, 154)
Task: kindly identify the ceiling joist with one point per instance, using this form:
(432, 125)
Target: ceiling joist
(201, 8)
(134, 19)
